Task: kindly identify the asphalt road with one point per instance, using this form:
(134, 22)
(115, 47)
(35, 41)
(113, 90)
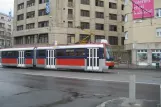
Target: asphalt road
(20, 90)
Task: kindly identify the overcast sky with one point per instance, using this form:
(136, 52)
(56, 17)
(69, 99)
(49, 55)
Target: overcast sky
(6, 6)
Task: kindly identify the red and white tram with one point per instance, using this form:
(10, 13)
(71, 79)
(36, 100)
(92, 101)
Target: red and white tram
(88, 57)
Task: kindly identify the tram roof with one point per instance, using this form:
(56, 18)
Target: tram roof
(17, 49)
(73, 46)
(57, 47)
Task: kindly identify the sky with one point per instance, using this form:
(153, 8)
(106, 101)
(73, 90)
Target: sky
(6, 6)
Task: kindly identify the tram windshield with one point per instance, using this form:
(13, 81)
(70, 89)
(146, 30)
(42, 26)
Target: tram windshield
(109, 54)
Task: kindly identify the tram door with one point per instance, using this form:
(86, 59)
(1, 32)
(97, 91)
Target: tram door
(21, 58)
(92, 59)
(50, 59)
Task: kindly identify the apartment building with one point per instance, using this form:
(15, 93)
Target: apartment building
(68, 22)
(6, 27)
(143, 31)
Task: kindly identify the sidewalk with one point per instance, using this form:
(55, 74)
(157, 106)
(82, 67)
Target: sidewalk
(136, 67)
(124, 102)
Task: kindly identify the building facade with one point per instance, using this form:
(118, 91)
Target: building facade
(6, 28)
(143, 33)
(68, 22)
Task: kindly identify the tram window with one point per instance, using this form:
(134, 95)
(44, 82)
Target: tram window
(9, 53)
(14, 53)
(60, 53)
(4, 53)
(28, 53)
(41, 53)
(80, 52)
(70, 52)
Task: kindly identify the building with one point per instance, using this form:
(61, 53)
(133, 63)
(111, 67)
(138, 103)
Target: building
(143, 31)
(6, 28)
(101, 18)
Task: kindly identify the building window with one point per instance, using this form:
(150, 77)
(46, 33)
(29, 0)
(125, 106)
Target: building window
(156, 56)
(122, 7)
(99, 3)
(98, 37)
(126, 35)
(85, 38)
(99, 26)
(100, 15)
(20, 17)
(70, 14)
(71, 38)
(2, 25)
(70, 3)
(19, 27)
(30, 3)
(126, 2)
(70, 24)
(158, 12)
(142, 57)
(42, 12)
(2, 42)
(85, 13)
(18, 40)
(112, 5)
(20, 6)
(122, 28)
(9, 29)
(30, 26)
(87, 2)
(9, 26)
(158, 32)
(2, 33)
(8, 33)
(42, 38)
(126, 18)
(85, 25)
(30, 14)
(113, 40)
(2, 18)
(113, 28)
(123, 18)
(30, 39)
(122, 40)
(113, 16)
(43, 1)
(43, 24)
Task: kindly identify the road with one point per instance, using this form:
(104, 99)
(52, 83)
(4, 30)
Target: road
(20, 90)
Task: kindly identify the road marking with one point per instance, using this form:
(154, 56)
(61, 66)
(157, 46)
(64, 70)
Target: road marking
(83, 78)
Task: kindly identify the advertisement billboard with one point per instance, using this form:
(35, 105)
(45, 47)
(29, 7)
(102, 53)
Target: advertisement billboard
(147, 10)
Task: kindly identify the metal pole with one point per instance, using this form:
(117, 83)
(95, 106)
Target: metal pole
(132, 89)
(160, 95)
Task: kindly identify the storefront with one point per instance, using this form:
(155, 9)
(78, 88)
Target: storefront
(144, 57)
(156, 57)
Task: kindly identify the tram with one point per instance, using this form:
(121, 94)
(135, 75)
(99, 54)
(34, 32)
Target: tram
(88, 57)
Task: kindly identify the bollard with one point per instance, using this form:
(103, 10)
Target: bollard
(132, 89)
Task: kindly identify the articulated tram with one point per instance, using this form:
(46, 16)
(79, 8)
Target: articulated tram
(88, 57)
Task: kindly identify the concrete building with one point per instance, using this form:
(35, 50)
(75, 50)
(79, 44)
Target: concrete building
(6, 28)
(143, 35)
(33, 26)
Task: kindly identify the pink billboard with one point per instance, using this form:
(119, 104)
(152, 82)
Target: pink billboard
(147, 5)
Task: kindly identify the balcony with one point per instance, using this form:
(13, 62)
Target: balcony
(70, 4)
